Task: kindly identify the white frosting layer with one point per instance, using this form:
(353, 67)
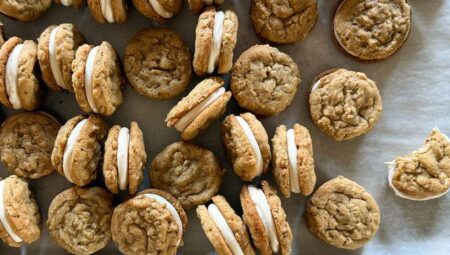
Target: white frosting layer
(56, 70)
(292, 158)
(159, 9)
(107, 11)
(184, 121)
(66, 2)
(123, 140)
(88, 77)
(11, 77)
(216, 42)
(316, 85)
(252, 140)
(262, 207)
(68, 150)
(3, 218)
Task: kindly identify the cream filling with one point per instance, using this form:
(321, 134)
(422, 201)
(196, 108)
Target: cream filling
(56, 71)
(315, 86)
(66, 2)
(216, 42)
(159, 9)
(107, 11)
(88, 78)
(123, 142)
(292, 158)
(254, 144)
(68, 150)
(262, 207)
(187, 119)
(3, 218)
(11, 77)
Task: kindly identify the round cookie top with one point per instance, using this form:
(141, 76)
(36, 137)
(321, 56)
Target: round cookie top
(24, 10)
(79, 219)
(264, 80)
(372, 30)
(118, 8)
(26, 143)
(198, 5)
(189, 172)
(167, 8)
(356, 222)
(157, 63)
(283, 21)
(344, 104)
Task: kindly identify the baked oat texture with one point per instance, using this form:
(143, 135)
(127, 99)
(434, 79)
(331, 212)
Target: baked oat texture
(198, 5)
(343, 214)
(146, 9)
(25, 10)
(119, 9)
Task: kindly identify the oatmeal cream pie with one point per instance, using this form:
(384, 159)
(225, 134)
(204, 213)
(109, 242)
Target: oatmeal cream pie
(266, 219)
(205, 103)
(158, 10)
(153, 222)
(78, 148)
(124, 159)
(19, 213)
(97, 79)
(24, 10)
(71, 3)
(293, 161)
(19, 87)
(215, 39)
(198, 5)
(56, 51)
(158, 63)
(424, 174)
(79, 219)
(108, 11)
(247, 145)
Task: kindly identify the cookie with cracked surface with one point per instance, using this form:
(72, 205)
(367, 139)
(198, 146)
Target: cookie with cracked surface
(97, 79)
(19, 87)
(153, 222)
(424, 174)
(205, 103)
(344, 104)
(158, 10)
(109, 11)
(224, 228)
(247, 145)
(264, 80)
(158, 63)
(79, 219)
(372, 30)
(56, 51)
(24, 10)
(198, 5)
(19, 213)
(71, 3)
(189, 172)
(215, 39)
(283, 21)
(293, 161)
(26, 143)
(265, 218)
(78, 149)
(124, 159)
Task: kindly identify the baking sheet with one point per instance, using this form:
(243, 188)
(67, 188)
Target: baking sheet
(415, 90)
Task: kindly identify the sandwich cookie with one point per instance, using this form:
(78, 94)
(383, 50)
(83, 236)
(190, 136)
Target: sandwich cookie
(205, 103)
(97, 79)
(79, 219)
(19, 213)
(124, 159)
(26, 143)
(108, 11)
(215, 39)
(293, 161)
(266, 219)
(56, 51)
(78, 148)
(24, 10)
(19, 87)
(247, 145)
(224, 228)
(158, 63)
(424, 174)
(158, 10)
(71, 3)
(153, 222)
(198, 5)
(190, 173)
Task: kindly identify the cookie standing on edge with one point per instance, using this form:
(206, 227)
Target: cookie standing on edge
(198, 5)
(264, 80)
(108, 11)
(78, 148)
(158, 63)
(158, 10)
(205, 103)
(247, 145)
(71, 3)
(24, 10)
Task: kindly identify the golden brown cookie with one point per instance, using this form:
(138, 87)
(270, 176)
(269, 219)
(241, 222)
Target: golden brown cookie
(344, 104)
(109, 11)
(158, 10)
(71, 3)
(78, 148)
(293, 161)
(247, 145)
(198, 5)
(153, 222)
(372, 29)
(205, 103)
(24, 10)
(157, 63)
(2, 34)
(79, 219)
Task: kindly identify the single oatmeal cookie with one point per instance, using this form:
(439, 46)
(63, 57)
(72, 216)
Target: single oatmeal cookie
(158, 10)
(110, 11)
(24, 10)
